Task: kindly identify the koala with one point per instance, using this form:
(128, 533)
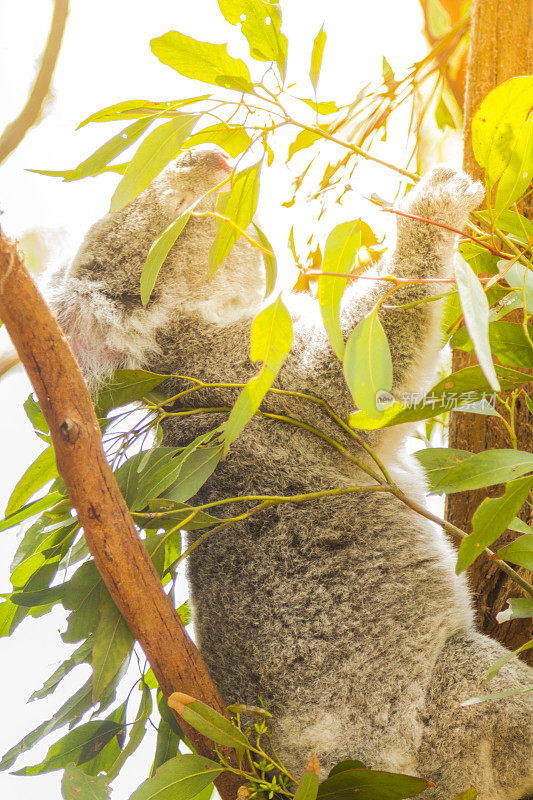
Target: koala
(344, 614)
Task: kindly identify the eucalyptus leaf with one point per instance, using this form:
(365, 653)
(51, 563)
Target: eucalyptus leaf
(112, 645)
(155, 152)
(476, 313)
(180, 778)
(76, 785)
(208, 721)
(517, 175)
(232, 138)
(40, 472)
(316, 56)
(508, 342)
(78, 746)
(368, 364)
(124, 387)
(133, 109)
(484, 469)
(519, 552)
(271, 339)
(491, 519)
(497, 124)
(303, 140)
(260, 23)
(100, 159)
(202, 61)
(342, 246)
(370, 784)
(238, 205)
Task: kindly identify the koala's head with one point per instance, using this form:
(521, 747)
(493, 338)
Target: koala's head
(238, 284)
(193, 174)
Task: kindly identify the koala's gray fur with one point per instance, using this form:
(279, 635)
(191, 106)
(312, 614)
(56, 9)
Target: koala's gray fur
(345, 613)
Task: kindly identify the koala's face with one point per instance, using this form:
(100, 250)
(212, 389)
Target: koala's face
(191, 175)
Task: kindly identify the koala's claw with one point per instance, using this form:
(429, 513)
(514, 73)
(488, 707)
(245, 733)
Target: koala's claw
(445, 193)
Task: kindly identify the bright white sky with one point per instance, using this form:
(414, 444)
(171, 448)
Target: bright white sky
(106, 58)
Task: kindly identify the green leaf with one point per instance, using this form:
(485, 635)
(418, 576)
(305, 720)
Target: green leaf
(155, 152)
(519, 607)
(195, 470)
(470, 794)
(316, 56)
(207, 721)
(80, 656)
(239, 205)
(95, 164)
(76, 785)
(112, 645)
(78, 746)
(70, 712)
(342, 766)
(181, 778)
(82, 596)
(342, 246)
(158, 253)
(497, 124)
(438, 19)
(126, 386)
(133, 109)
(496, 696)
(7, 614)
(491, 519)
(443, 116)
(520, 277)
(519, 526)
(484, 469)
(519, 552)
(271, 269)
(508, 342)
(271, 339)
(460, 388)
(166, 746)
(303, 140)
(232, 138)
(438, 461)
(136, 733)
(40, 472)
(308, 786)
(178, 513)
(517, 175)
(35, 415)
(41, 597)
(260, 23)
(368, 364)
(371, 785)
(476, 313)
(31, 509)
(202, 61)
(495, 668)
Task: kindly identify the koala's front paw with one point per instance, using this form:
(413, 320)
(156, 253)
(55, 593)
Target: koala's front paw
(446, 195)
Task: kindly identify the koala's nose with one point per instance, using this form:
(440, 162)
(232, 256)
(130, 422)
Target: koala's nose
(224, 161)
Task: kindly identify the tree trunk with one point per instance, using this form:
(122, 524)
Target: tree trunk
(501, 48)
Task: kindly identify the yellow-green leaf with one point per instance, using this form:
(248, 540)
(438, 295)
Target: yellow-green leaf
(517, 175)
(368, 364)
(238, 205)
(342, 246)
(40, 472)
(271, 339)
(491, 519)
(180, 778)
(112, 645)
(160, 147)
(316, 56)
(207, 721)
(303, 140)
(260, 22)
(232, 138)
(202, 61)
(497, 124)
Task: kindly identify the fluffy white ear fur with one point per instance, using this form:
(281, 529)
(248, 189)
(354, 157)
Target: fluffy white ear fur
(104, 338)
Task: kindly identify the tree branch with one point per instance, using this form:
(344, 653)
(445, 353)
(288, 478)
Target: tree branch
(17, 130)
(119, 554)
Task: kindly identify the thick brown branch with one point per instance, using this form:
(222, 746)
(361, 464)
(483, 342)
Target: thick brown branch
(17, 130)
(118, 552)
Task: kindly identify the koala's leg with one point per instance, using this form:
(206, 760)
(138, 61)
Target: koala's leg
(488, 745)
(424, 251)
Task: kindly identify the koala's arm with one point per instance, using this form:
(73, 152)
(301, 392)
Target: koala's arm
(422, 251)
